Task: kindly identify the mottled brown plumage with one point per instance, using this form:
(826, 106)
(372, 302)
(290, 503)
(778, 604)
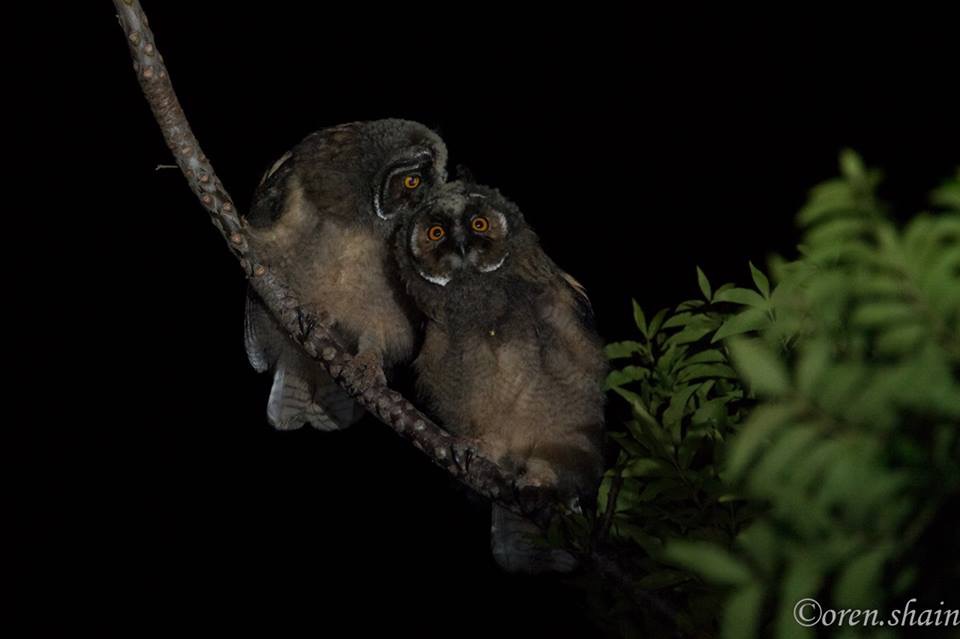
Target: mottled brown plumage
(509, 357)
(324, 216)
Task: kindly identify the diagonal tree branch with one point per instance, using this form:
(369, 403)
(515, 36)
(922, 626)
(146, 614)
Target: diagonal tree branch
(455, 455)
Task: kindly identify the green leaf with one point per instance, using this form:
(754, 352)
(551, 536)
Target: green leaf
(816, 211)
(741, 296)
(647, 467)
(651, 436)
(948, 195)
(699, 371)
(741, 614)
(603, 492)
(636, 403)
(629, 374)
(673, 416)
(843, 482)
(627, 443)
(882, 313)
(836, 231)
(713, 563)
(619, 350)
(846, 380)
(811, 365)
(760, 280)
(761, 542)
(639, 318)
(688, 448)
(657, 322)
(709, 356)
(900, 340)
(723, 287)
(861, 581)
(752, 319)
(692, 333)
(704, 284)
(852, 166)
(713, 412)
(764, 372)
(661, 579)
(762, 423)
(681, 319)
(777, 459)
(835, 190)
(802, 580)
(686, 305)
(656, 487)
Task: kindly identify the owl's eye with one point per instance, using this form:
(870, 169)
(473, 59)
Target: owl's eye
(411, 181)
(480, 224)
(436, 233)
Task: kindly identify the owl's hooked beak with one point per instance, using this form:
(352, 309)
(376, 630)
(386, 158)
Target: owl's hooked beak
(462, 248)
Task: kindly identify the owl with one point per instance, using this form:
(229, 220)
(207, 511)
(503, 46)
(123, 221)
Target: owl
(323, 217)
(509, 358)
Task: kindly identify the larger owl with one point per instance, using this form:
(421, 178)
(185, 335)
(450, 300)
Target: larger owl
(510, 358)
(323, 217)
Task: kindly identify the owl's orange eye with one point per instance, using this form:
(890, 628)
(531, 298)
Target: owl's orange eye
(436, 233)
(480, 224)
(411, 181)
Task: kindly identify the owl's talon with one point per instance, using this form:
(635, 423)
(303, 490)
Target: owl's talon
(306, 323)
(464, 453)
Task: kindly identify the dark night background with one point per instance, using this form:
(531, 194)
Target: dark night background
(638, 147)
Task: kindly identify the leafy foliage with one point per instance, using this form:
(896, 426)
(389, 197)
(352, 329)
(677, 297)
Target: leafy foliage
(797, 440)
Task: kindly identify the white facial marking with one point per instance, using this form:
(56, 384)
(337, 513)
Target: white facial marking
(493, 267)
(503, 222)
(414, 247)
(439, 280)
(376, 206)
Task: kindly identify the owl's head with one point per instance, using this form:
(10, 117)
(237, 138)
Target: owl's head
(406, 164)
(373, 173)
(465, 231)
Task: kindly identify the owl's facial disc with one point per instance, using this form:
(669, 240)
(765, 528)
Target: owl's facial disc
(404, 184)
(450, 242)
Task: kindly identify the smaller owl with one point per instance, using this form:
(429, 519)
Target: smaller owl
(510, 358)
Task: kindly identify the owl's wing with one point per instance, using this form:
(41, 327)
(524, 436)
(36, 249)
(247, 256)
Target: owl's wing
(255, 340)
(538, 269)
(302, 391)
(271, 194)
(581, 301)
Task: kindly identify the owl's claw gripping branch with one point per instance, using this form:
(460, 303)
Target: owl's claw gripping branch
(459, 458)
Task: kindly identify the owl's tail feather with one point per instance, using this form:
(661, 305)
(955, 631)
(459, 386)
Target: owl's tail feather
(295, 400)
(302, 391)
(515, 549)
